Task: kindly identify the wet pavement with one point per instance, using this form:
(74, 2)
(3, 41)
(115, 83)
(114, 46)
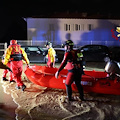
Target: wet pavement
(8, 106)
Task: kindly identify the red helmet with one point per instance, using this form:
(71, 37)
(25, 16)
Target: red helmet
(13, 42)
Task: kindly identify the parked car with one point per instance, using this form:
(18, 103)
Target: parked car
(60, 53)
(96, 53)
(115, 50)
(36, 54)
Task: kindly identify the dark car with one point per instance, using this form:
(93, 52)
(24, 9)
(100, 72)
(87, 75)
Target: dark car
(36, 54)
(60, 53)
(96, 53)
(115, 50)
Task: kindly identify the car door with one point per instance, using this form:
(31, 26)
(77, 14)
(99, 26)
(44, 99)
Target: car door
(87, 53)
(95, 53)
(34, 54)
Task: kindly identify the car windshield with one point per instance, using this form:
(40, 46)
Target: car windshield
(33, 49)
(41, 49)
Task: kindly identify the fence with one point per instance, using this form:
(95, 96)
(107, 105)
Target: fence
(37, 43)
(81, 43)
(31, 43)
(3, 47)
(41, 43)
(106, 43)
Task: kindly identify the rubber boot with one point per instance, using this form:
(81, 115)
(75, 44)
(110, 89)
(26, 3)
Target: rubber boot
(4, 79)
(69, 92)
(23, 87)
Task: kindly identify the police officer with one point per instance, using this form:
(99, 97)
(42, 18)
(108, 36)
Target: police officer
(15, 54)
(73, 63)
(51, 55)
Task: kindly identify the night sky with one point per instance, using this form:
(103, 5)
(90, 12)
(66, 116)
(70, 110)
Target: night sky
(12, 12)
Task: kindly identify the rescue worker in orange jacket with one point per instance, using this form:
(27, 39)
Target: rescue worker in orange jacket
(73, 63)
(15, 54)
(51, 55)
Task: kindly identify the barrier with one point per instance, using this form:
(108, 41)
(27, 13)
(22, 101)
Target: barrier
(3, 47)
(42, 43)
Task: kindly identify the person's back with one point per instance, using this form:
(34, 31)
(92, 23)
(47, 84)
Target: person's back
(15, 54)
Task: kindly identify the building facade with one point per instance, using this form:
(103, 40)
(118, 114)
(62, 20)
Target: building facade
(81, 31)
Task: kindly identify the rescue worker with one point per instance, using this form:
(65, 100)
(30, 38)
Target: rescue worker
(72, 61)
(51, 55)
(6, 71)
(15, 54)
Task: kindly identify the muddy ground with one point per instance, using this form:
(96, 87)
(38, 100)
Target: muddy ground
(41, 103)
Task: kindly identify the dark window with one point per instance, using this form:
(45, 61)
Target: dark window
(90, 26)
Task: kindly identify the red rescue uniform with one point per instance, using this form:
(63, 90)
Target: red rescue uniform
(15, 54)
(75, 72)
(6, 71)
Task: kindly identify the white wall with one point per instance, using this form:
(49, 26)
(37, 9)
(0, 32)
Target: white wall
(54, 30)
